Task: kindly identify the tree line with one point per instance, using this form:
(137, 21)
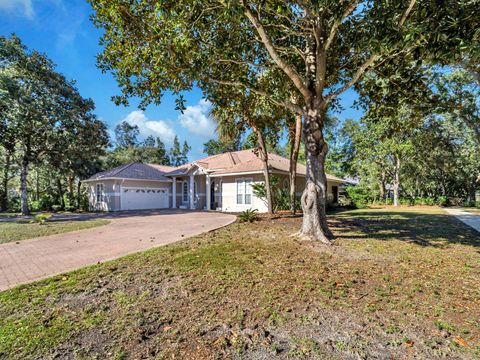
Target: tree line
(51, 139)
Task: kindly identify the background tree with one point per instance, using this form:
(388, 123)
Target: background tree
(126, 135)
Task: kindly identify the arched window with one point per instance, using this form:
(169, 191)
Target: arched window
(286, 184)
(185, 191)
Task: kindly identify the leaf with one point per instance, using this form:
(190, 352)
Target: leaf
(460, 341)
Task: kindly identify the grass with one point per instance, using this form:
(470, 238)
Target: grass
(475, 210)
(21, 230)
(398, 284)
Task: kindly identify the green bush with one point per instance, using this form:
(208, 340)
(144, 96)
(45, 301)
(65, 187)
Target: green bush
(248, 215)
(41, 219)
(360, 195)
(56, 208)
(280, 196)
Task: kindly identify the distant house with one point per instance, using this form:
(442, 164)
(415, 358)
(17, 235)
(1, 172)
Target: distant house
(219, 182)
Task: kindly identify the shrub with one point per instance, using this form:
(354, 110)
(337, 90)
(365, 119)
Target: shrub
(56, 208)
(360, 195)
(41, 219)
(280, 197)
(248, 215)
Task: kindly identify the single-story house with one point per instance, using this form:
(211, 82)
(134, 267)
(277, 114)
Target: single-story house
(219, 182)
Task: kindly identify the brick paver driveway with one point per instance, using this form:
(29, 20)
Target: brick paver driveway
(42, 257)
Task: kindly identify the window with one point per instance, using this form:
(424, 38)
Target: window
(185, 191)
(285, 184)
(244, 191)
(100, 192)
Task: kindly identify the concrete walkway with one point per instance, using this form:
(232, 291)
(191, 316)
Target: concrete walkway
(43, 257)
(471, 219)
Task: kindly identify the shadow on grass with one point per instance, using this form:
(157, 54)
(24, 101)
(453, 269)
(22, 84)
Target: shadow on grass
(420, 228)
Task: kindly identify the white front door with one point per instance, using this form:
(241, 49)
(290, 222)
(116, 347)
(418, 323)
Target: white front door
(138, 198)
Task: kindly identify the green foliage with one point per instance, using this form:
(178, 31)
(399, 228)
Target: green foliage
(41, 219)
(43, 204)
(360, 195)
(280, 196)
(248, 215)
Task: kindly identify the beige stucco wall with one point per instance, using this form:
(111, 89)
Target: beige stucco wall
(229, 201)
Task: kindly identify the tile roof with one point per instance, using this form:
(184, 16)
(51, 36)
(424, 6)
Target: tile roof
(242, 161)
(245, 161)
(137, 171)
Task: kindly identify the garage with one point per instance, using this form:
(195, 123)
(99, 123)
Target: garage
(141, 198)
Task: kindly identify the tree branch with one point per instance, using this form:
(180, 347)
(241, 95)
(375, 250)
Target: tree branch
(287, 69)
(358, 74)
(406, 13)
(336, 25)
(287, 104)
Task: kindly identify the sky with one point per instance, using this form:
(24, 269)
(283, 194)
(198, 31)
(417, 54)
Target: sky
(63, 31)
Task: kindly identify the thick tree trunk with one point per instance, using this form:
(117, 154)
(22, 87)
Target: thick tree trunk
(23, 186)
(396, 181)
(314, 197)
(266, 173)
(6, 174)
(295, 139)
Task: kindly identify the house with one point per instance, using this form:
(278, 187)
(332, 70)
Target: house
(219, 182)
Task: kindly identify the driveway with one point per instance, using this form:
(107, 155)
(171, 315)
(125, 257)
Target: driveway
(127, 233)
(471, 219)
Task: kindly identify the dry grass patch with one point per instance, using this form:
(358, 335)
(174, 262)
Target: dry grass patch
(397, 284)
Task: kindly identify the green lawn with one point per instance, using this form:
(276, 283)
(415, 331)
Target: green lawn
(397, 284)
(474, 210)
(21, 230)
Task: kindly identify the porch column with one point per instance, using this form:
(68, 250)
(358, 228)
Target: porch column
(192, 188)
(174, 193)
(208, 192)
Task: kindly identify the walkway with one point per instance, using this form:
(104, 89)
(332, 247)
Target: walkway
(42, 257)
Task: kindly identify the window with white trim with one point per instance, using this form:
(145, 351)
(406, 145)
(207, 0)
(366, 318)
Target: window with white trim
(185, 191)
(100, 192)
(244, 191)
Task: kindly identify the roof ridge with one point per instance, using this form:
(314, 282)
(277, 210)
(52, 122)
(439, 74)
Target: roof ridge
(121, 168)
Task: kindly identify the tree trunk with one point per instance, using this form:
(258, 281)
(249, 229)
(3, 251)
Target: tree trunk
(23, 186)
(295, 137)
(396, 181)
(266, 173)
(6, 174)
(60, 193)
(314, 197)
(383, 177)
(37, 185)
(79, 193)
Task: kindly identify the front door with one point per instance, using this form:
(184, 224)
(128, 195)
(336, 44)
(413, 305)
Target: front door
(212, 196)
(335, 194)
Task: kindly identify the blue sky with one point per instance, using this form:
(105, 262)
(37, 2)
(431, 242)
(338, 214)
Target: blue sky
(62, 29)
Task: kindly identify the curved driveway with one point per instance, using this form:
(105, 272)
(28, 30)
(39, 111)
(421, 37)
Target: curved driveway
(127, 233)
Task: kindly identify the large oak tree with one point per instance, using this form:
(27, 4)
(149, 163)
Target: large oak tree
(312, 51)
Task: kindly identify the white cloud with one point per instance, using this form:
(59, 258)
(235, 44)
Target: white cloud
(148, 127)
(196, 120)
(19, 7)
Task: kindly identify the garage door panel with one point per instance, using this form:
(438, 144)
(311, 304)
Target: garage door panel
(140, 198)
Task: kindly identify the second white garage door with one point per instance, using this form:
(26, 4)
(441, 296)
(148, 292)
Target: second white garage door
(138, 198)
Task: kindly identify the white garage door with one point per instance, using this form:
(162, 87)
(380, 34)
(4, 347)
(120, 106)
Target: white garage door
(137, 198)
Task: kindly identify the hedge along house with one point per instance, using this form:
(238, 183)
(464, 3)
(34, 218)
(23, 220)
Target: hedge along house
(220, 182)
